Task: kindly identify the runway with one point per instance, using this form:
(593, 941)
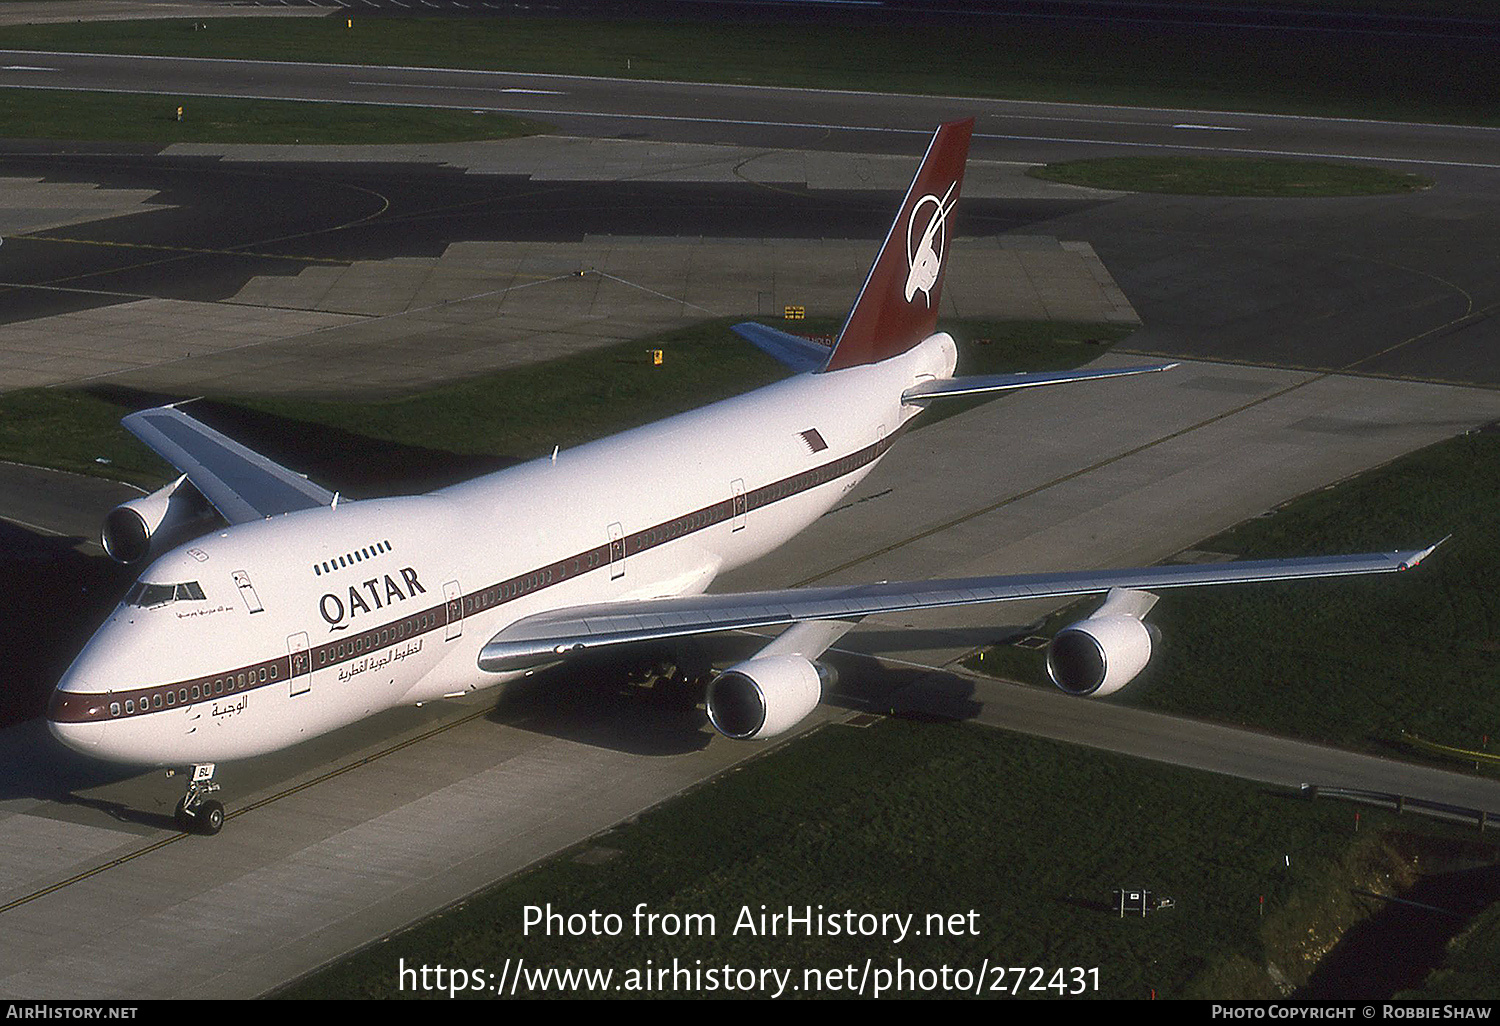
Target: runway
(770, 116)
(340, 841)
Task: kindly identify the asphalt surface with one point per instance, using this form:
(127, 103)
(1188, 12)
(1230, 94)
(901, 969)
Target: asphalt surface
(1404, 286)
(227, 222)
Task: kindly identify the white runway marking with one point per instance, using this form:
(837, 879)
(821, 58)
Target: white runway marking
(1213, 128)
(454, 88)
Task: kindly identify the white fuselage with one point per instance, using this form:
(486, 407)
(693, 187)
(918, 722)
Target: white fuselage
(314, 619)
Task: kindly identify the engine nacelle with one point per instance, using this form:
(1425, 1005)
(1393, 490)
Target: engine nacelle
(1099, 655)
(764, 696)
(153, 523)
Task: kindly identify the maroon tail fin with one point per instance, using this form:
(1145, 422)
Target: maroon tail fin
(897, 308)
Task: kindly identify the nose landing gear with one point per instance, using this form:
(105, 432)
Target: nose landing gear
(195, 814)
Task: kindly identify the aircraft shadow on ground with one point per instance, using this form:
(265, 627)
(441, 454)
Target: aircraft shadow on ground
(33, 764)
(52, 598)
(916, 639)
(609, 702)
(119, 811)
(617, 701)
(355, 465)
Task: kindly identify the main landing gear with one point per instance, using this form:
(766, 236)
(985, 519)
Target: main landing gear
(195, 814)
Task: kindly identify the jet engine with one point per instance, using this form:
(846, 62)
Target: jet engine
(765, 696)
(1100, 654)
(153, 523)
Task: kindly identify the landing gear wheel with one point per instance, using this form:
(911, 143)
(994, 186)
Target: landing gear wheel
(195, 813)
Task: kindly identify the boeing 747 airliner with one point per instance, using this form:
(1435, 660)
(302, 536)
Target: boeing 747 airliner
(299, 614)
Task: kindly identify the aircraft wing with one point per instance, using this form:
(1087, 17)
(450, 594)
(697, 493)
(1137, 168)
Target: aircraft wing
(240, 483)
(548, 635)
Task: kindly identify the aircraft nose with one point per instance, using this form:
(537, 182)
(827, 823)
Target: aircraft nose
(78, 718)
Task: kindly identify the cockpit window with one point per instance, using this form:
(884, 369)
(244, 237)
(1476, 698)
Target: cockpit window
(143, 594)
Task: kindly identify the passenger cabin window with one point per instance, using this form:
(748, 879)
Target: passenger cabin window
(143, 594)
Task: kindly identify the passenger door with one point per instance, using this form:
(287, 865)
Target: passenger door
(616, 552)
(454, 596)
(299, 675)
(740, 504)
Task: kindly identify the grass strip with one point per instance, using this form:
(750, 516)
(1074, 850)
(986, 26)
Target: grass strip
(1229, 176)
(132, 117)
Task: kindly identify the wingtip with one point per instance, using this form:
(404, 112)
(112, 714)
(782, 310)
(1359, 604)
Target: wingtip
(1152, 368)
(1417, 557)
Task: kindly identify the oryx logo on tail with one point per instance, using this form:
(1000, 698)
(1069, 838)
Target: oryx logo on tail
(926, 246)
(886, 318)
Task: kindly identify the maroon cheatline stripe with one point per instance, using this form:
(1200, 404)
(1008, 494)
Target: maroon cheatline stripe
(81, 707)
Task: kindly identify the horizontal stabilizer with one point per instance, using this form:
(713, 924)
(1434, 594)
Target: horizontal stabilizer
(802, 355)
(545, 636)
(952, 387)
